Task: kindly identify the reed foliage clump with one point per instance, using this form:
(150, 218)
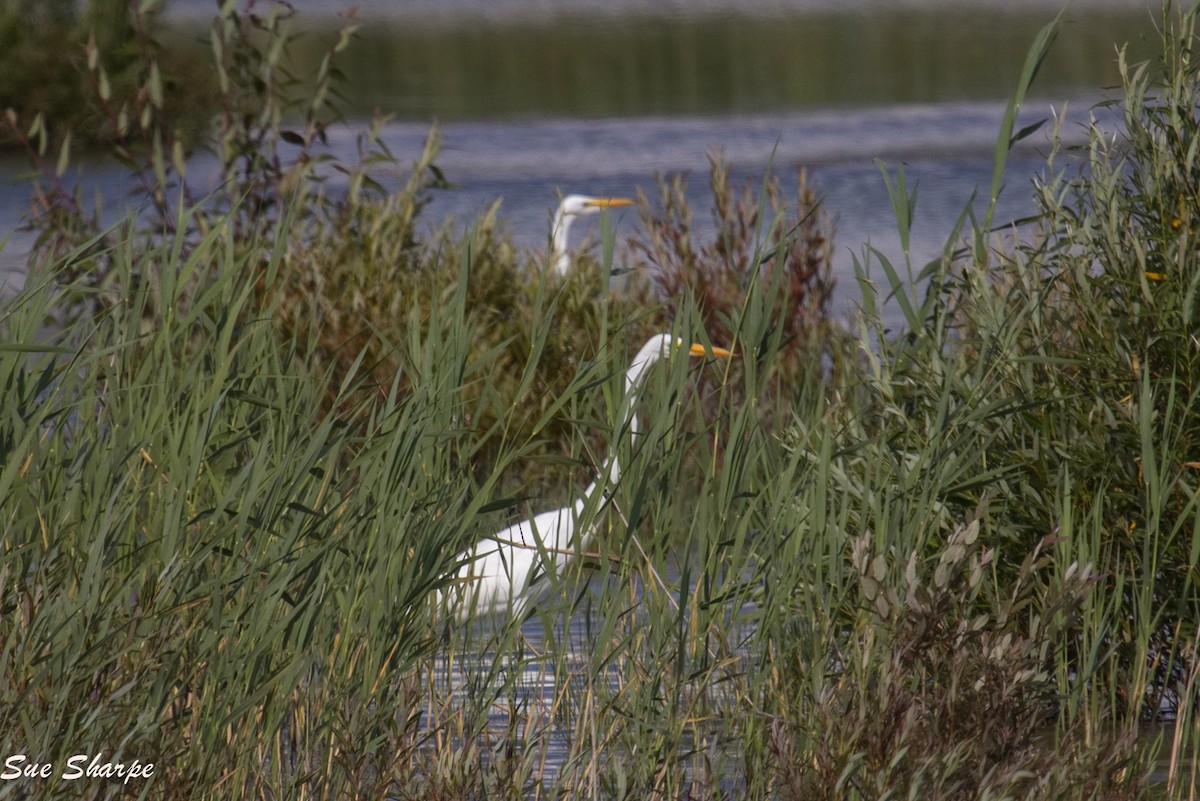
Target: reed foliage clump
(954, 561)
(65, 64)
(1040, 400)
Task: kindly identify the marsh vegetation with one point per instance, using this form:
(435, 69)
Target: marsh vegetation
(244, 437)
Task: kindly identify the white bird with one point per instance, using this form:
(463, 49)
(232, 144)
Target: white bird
(573, 206)
(506, 572)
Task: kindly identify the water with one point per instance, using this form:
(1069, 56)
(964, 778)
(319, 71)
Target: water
(945, 149)
(553, 665)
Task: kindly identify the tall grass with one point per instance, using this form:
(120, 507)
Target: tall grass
(964, 568)
(1042, 385)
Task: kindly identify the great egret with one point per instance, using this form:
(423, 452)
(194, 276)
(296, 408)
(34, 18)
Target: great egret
(507, 571)
(573, 206)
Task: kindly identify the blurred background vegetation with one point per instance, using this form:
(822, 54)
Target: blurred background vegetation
(449, 64)
(49, 52)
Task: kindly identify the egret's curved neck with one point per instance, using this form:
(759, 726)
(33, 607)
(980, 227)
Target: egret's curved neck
(610, 473)
(560, 260)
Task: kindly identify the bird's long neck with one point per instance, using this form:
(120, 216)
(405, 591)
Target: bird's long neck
(610, 473)
(560, 259)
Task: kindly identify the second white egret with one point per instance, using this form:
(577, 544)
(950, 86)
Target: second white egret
(573, 206)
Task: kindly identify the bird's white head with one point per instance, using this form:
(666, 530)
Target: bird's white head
(661, 346)
(579, 205)
(573, 206)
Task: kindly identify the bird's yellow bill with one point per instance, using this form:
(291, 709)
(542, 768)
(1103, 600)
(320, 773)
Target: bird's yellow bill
(699, 350)
(609, 202)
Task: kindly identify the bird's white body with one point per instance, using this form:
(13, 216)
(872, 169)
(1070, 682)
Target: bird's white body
(511, 569)
(573, 206)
